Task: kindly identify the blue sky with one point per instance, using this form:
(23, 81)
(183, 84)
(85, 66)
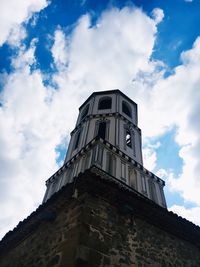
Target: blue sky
(54, 54)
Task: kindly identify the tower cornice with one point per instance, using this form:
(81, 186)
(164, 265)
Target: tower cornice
(106, 115)
(115, 150)
(108, 92)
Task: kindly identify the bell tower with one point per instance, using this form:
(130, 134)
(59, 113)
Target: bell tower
(106, 136)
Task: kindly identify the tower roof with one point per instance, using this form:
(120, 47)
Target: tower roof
(107, 92)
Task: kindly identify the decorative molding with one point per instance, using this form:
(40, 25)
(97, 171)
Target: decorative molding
(114, 114)
(115, 150)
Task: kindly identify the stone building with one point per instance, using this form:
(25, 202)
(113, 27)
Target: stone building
(102, 207)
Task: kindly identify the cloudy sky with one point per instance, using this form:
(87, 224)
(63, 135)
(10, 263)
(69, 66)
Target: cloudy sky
(55, 53)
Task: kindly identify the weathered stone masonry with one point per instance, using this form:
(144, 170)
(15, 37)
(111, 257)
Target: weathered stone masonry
(95, 221)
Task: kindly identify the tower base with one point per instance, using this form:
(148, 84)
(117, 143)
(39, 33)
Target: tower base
(96, 221)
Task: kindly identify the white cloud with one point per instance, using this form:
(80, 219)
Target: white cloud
(34, 118)
(17, 35)
(95, 51)
(175, 101)
(150, 155)
(26, 157)
(33, 122)
(114, 53)
(149, 158)
(60, 49)
(13, 14)
(158, 15)
(162, 173)
(25, 57)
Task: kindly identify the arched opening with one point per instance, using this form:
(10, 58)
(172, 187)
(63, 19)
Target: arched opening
(128, 138)
(105, 103)
(102, 130)
(126, 109)
(77, 140)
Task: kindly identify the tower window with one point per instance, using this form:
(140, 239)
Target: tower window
(77, 139)
(128, 138)
(85, 112)
(102, 130)
(126, 109)
(105, 103)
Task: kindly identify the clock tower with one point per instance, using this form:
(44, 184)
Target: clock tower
(107, 136)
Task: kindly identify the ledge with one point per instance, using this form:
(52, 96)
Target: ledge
(94, 141)
(105, 115)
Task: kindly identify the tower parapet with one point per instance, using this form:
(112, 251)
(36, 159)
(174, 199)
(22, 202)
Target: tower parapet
(106, 135)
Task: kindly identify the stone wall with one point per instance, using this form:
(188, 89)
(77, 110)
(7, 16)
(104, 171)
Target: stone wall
(94, 227)
(50, 244)
(111, 238)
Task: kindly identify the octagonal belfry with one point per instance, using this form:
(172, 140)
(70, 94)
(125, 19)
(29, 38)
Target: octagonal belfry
(106, 136)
